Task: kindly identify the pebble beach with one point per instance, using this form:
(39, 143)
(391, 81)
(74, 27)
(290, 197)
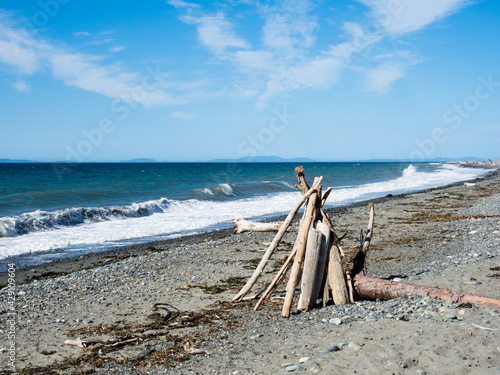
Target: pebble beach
(164, 307)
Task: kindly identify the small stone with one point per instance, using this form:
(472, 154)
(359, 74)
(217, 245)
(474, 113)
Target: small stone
(333, 348)
(21, 293)
(478, 283)
(256, 336)
(287, 364)
(304, 359)
(336, 321)
(293, 368)
(342, 344)
(353, 346)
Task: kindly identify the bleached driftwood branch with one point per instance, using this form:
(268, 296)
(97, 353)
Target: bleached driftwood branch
(242, 225)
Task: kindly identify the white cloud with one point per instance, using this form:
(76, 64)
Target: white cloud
(117, 49)
(83, 72)
(16, 47)
(404, 16)
(86, 72)
(380, 79)
(21, 86)
(186, 116)
(81, 33)
(217, 34)
(182, 4)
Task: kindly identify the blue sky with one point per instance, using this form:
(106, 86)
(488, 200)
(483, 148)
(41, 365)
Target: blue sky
(190, 81)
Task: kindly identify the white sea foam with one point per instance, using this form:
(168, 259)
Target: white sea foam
(168, 218)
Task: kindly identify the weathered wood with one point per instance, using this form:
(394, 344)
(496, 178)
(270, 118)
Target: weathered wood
(267, 255)
(359, 259)
(303, 186)
(336, 277)
(242, 225)
(310, 271)
(325, 196)
(373, 288)
(279, 276)
(322, 265)
(301, 245)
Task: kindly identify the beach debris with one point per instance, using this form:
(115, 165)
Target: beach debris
(319, 264)
(194, 350)
(316, 258)
(267, 255)
(373, 288)
(242, 225)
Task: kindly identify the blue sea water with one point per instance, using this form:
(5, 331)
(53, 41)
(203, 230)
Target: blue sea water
(53, 210)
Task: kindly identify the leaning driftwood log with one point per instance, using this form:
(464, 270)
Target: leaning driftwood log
(312, 275)
(300, 244)
(372, 288)
(242, 225)
(275, 242)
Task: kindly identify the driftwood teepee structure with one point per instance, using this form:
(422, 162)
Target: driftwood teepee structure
(317, 260)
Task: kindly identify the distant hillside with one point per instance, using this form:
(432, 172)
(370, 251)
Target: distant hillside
(263, 159)
(139, 160)
(18, 161)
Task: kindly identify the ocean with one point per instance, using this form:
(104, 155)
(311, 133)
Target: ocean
(52, 211)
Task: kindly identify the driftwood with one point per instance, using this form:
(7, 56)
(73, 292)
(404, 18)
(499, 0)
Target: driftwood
(321, 279)
(365, 239)
(85, 343)
(192, 350)
(311, 272)
(317, 263)
(275, 242)
(372, 288)
(279, 276)
(336, 277)
(301, 242)
(242, 225)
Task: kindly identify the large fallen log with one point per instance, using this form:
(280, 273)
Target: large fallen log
(373, 288)
(242, 225)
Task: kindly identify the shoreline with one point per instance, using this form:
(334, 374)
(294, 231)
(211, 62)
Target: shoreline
(74, 263)
(446, 237)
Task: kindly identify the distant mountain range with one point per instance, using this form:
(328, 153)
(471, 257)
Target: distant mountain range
(267, 159)
(263, 159)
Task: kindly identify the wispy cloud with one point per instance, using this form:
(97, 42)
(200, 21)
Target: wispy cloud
(287, 57)
(21, 86)
(380, 79)
(185, 116)
(23, 52)
(182, 4)
(16, 47)
(405, 16)
(81, 33)
(116, 49)
(217, 33)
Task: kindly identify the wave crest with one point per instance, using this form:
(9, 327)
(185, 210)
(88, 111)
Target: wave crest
(41, 220)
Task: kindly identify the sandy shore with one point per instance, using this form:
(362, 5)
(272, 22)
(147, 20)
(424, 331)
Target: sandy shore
(447, 237)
